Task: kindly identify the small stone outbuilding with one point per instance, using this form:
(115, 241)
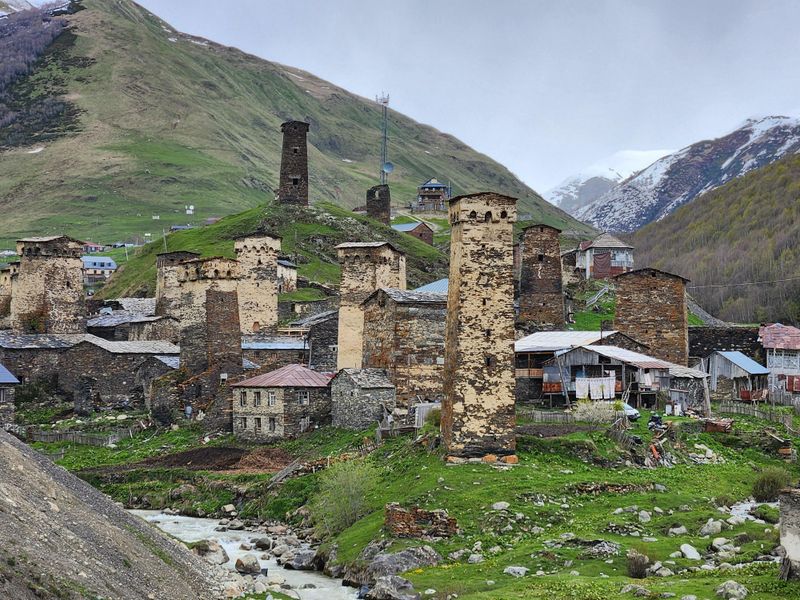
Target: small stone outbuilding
(7, 385)
(360, 398)
(281, 404)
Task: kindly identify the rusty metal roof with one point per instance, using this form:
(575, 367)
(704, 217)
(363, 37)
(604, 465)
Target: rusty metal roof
(779, 337)
(288, 376)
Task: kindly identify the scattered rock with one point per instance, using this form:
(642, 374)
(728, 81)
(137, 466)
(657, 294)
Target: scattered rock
(711, 527)
(732, 590)
(680, 530)
(392, 587)
(248, 564)
(399, 562)
(500, 506)
(644, 516)
(211, 551)
(474, 559)
(636, 590)
(516, 571)
(229, 508)
(302, 560)
(690, 552)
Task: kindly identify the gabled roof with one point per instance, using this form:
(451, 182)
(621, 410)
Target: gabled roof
(120, 317)
(92, 262)
(779, 337)
(605, 240)
(651, 271)
(406, 227)
(315, 318)
(288, 376)
(30, 341)
(140, 347)
(49, 238)
(744, 362)
(252, 342)
(347, 245)
(6, 377)
(628, 357)
(410, 296)
(439, 286)
(551, 341)
(433, 183)
(367, 378)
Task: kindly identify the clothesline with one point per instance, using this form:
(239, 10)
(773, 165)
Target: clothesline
(596, 388)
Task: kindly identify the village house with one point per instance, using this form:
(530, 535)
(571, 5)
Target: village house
(361, 398)
(404, 334)
(604, 256)
(782, 346)
(96, 269)
(431, 196)
(321, 331)
(8, 383)
(418, 229)
(735, 376)
(92, 248)
(36, 358)
(287, 276)
(281, 404)
(122, 325)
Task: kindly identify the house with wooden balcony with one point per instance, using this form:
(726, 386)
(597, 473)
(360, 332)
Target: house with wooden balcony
(603, 257)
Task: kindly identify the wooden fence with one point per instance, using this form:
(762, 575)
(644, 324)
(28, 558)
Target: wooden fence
(735, 408)
(32, 434)
(553, 416)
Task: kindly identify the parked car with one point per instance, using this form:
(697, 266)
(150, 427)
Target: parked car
(630, 412)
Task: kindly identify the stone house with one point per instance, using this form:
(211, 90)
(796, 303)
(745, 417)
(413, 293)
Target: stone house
(418, 229)
(122, 325)
(274, 352)
(287, 276)
(361, 398)
(280, 404)
(605, 256)
(7, 385)
(404, 334)
(322, 334)
(35, 358)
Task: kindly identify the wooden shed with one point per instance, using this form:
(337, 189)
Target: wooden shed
(736, 375)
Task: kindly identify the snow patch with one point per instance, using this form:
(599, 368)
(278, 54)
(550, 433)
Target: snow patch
(35, 150)
(347, 160)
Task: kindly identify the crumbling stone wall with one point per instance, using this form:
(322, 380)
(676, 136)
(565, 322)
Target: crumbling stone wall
(167, 289)
(365, 268)
(541, 298)
(651, 308)
(704, 341)
(379, 203)
(6, 404)
(293, 185)
(478, 410)
(322, 341)
(258, 287)
(48, 293)
(354, 407)
(790, 532)
(407, 339)
(418, 523)
(287, 411)
(7, 279)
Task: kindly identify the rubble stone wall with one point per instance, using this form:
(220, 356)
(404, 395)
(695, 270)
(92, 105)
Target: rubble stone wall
(704, 341)
(541, 298)
(379, 204)
(6, 404)
(167, 291)
(322, 341)
(287, 411)
(418, 523)
(258, 287)
(790, 531)
(293, 184)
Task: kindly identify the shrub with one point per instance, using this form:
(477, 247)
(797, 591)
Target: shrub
(637, 564)
(769, 482)
(434, 417)
(341, 498)
(594, 413)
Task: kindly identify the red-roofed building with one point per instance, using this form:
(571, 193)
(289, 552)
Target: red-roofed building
(782, 346)
(603, 257)
(282, 403)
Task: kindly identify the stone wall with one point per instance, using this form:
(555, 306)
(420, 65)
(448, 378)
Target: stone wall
(651, 308)
(790, 532)
(258, 286)
(379, 204)
(704, 341)
(478, 410)
(356, 408)
(167, 290)
(48, 291)
(33, 365)
(223, 339)
(418, 523)
(290, 311)
(7, 279)
(365, 268)
(273, 359)
(166, 328)
(6, 404)
(293, 184)
(287, 411)
(322, 342)
(406, 339)
(541, 299)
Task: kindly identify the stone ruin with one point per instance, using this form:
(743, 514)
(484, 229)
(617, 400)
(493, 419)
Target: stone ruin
(541, 297)
(379, 203)
(418, 523)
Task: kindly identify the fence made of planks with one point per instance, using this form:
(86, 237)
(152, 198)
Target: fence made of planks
(734, 408)
(560, 417)
(32, 434)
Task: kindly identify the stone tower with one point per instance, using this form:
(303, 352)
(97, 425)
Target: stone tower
(48, 292)
(541, 298)
(293, 185)
(651, 308)
(167, 290)
(258, 287)
(478, 409)
(366, 266)
(379, 203)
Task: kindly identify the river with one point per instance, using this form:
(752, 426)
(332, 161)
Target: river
(192, 529)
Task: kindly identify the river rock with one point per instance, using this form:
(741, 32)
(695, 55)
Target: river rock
(732, 590)
(248, 564)
(211, 551)
(399, 562)
(263, 543)
(280, 549)
(302, 560)
(711, 527)
(392, 587)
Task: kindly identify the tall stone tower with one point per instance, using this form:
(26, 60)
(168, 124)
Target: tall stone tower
(167, 290)
(258, 287)
(541, 298)
(48, 292)
(651, 308)
(379, 203)
(478, 409)
(366, 266)
(293, 185)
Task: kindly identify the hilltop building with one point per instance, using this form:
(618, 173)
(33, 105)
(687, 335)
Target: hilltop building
(603, 257)
(432, 196)
(293, 184)
(418, 229)
(379, 203)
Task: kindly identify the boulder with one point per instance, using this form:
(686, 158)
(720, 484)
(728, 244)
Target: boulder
(248, 564)
(644, 516)
(474, 559)
(399, 562)
(500, 506)
(516, 571)
(732, 590)
(302, 560)
(680, 530)
(637, 590)
(392, 587)
(711, 527)
(690, 552)
(263, 543)
(211, 551)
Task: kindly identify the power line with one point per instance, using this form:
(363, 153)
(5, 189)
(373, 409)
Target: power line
(724, 285)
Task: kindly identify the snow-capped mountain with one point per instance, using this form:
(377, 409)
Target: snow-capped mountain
(680, 177)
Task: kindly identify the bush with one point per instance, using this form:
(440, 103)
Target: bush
(769, 482)
(637, 564)
(434, 418)
(341, 498)
(595, 413)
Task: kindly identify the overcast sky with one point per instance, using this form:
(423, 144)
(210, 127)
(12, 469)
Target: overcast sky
(547, 88)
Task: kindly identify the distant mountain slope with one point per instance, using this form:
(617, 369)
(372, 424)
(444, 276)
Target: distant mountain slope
(165, 120)
(681, 177)
(726, 241)
(574, 193)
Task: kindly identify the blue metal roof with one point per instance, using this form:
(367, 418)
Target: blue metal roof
(405, 227)
(440, 286)
(98, 262)
(6, 376)
(745, 363)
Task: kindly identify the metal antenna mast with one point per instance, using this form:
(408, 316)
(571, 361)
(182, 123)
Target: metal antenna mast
(386, 166)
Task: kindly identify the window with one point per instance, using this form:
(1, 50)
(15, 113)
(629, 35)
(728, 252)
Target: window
(256, 398)
(242, 422)
(270, 398)
(303, 396)
(258, 424)
(295, 181)
(243, 398)
(272, 423)
(541, 258)
(295, 150)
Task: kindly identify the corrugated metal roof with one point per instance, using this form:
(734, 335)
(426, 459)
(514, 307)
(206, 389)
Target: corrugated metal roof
(413, 296)
(779, 337)
(744, 362)
(551, 341)
(6, 377)
(274, 343)
(439, 286)
(406, 227)
(288, 376)
(368, 378)
(630, 358)
(286, 263)
(98, 262)
(605, 240)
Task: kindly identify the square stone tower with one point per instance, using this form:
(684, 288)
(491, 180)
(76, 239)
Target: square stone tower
(651, 308)
(541, 298)
(366, 266)
(167, 290)
(48, 292)
(379, 203)
(258, 287)
(478, 409)
(293, 185)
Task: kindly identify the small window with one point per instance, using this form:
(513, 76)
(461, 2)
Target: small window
(541, 258)
(243, 398)
(488, 333)
(303, 396)
(272, 423)
(296, 150)
(295, 181)
(270, 398)
(489, 361)
(258, 424)
(256, 398)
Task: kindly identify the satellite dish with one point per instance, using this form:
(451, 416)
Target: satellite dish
(191, 207)
(387, 167)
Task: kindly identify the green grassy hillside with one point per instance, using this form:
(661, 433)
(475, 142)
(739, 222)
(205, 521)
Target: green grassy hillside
(159, 120)
(738, 244)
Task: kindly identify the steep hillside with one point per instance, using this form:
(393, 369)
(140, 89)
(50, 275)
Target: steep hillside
(681, 177)
(166, 120)
(732, 238)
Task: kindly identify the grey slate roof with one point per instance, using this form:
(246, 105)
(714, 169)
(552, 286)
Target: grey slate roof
(140, 347)
(413, 296)
(314, 319)
(26, 341)
(273, 343)
(120, 317)
(368, 378)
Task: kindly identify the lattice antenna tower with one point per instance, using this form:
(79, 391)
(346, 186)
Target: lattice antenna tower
(386, 166)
